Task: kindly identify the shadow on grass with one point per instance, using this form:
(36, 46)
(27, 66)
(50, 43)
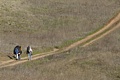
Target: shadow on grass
(11, 57)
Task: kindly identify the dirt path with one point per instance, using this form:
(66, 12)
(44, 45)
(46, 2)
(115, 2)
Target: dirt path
(107, 28)
(111, 26)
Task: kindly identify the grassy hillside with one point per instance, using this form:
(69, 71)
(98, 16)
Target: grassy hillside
(44, 24)
(98, 61)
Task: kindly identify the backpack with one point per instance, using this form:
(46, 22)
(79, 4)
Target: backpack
(19, 49)
(15, 49)
(28, 49)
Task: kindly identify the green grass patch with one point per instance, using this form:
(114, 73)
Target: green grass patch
(69, 42)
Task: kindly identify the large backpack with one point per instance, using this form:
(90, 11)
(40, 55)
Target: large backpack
(19, 49)
(15, 49)
(28, 49)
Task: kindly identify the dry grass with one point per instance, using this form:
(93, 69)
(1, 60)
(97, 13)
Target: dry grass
(95, 62)
(45, 24)
(68, 20)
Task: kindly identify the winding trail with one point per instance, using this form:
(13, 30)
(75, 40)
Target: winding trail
(113, 24)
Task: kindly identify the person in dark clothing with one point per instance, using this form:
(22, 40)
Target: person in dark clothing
(29, 52)
(17, 52)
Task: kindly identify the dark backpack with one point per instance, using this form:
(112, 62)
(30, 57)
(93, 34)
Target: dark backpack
(28, 49)
(15, 49)
(19, 49)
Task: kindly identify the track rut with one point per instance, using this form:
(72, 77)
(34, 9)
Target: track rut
(113, 24)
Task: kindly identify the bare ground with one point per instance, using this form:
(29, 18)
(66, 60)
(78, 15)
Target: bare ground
(50, 23)
(112, 25)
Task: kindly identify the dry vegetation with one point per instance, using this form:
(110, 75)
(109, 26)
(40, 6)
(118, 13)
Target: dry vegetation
(45, 24)
(98, 61)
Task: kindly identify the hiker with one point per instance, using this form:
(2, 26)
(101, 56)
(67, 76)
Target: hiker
(20, 52)
(29, 52)
(17, 52)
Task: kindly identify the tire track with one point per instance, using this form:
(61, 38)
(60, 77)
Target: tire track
(13, 62)
(111, 26)
(101, 36)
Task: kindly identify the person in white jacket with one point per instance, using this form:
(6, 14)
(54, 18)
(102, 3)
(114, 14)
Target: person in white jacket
(29, 52)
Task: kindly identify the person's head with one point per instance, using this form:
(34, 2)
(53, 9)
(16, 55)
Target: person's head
(29, 46)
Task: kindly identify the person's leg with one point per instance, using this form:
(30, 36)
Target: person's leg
(29, 56)
(17, 56)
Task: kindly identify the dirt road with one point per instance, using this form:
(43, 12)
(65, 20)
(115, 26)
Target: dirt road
(113, 24)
